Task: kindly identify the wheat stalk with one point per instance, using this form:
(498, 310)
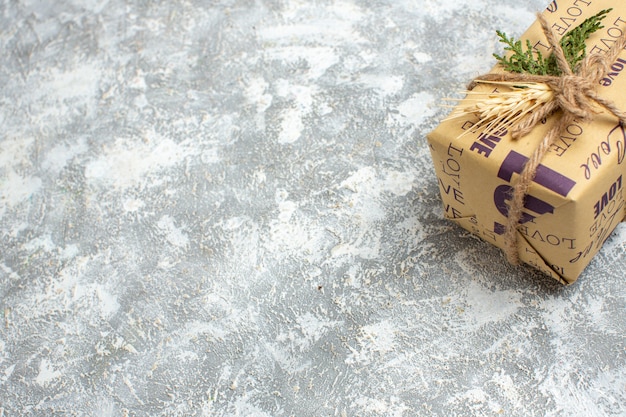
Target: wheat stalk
(502, 110)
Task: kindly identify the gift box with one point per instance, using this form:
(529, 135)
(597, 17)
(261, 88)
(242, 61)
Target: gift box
(574, 197)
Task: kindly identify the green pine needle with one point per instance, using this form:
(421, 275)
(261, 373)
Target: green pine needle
(533, 62)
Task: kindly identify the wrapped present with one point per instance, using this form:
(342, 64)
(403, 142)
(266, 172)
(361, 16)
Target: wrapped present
(532, 159)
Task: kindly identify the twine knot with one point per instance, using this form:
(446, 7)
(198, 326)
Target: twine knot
(575, 95)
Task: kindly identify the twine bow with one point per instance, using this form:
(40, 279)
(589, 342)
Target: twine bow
(575, 95)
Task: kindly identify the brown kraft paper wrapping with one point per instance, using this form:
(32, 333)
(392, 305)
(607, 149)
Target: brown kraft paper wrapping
(577, 197)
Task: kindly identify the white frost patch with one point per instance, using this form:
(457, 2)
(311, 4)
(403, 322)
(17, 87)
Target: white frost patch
(301, 8)
(43, 242)
(69, 252)
(398, 183)
(377, 338)
(79, 82)
(9, 272)
(106, 408)
(292, 118)
(519, 18)
(46, 373)
(173, 234)
(195, 329)
(346, 11)
(66, 283)
(15, 151)
(508, 387)
(415, 109)
(210, 155)
(57, 157)
(108, 302)
(468, 65)
(368, 187)
(395, 407)
(367, 209)
(242, 407)
(556, 314)
(387, 85)
(235, 223)
(289, 233)
(284, 359)
(138, 82)
(131, 160)
(313, 328)
(334, 27)
(286, 210)
(318, 59)
(360, 180)
(58, 92)
(444, 7)
(291, 126)
(255, 94)
(366, 246)
(133, 205)
(573, 397)
(7, 374)
(485, 306)
(15, 189)
(93, 6)
(259, 176)
(353, 276)
(366, 181)
(301, 95)
(421, 57)
(141, 101)
(476, 396)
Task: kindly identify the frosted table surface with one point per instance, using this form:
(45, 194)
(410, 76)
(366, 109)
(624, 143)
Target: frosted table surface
(228, 208)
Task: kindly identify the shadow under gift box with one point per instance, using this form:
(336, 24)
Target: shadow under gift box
(577, 197)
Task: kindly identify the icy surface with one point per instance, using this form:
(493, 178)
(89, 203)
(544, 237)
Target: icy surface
(228, 208)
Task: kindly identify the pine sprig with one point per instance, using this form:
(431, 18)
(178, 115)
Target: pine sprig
(528, 61)
(533, 62)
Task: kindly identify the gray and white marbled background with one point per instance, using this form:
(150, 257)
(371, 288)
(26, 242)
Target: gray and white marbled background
(227, 208)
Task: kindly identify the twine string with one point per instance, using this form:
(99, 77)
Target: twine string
(575, 96)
